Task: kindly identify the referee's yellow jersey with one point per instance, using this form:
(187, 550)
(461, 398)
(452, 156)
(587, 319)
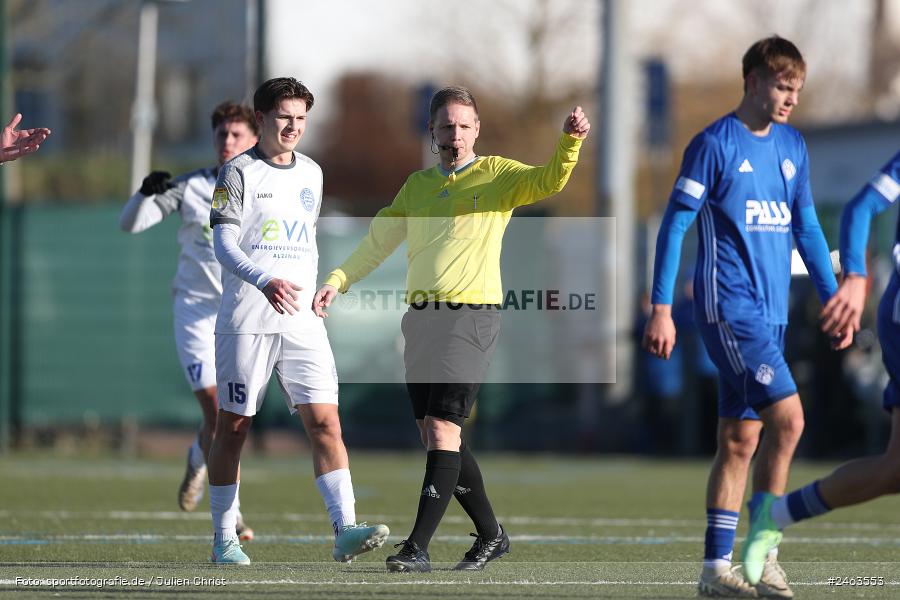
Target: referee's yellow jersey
(454, 225)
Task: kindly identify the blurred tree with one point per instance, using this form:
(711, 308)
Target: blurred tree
(371, 146)
(73, 69)
(884, 60)
(522, 117)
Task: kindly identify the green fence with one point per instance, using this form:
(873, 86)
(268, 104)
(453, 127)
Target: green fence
(95, 319)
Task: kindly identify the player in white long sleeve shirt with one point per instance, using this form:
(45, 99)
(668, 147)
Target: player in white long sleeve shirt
(197, 287)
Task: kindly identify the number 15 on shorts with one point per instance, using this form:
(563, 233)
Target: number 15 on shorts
(237, 392)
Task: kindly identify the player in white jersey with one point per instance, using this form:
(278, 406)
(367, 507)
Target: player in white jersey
(197, 288)
(264, 213)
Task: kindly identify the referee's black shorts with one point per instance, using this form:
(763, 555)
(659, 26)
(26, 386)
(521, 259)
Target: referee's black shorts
(447, 353)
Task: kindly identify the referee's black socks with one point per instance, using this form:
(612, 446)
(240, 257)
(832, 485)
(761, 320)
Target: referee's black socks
(441, 475)
(472, 497)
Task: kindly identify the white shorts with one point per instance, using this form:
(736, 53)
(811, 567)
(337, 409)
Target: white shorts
(302, 361)
(195, 325)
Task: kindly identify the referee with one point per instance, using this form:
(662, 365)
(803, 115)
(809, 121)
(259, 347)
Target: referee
(453, 217)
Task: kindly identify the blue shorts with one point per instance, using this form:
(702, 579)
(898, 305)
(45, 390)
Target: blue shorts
(889, 336)
(753, 374)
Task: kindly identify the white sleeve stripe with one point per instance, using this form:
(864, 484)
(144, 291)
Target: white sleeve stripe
(885, 185)
(690, 187)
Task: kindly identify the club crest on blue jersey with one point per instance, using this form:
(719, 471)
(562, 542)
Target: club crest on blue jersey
(765, 374)
(307, 199)
(788, 169)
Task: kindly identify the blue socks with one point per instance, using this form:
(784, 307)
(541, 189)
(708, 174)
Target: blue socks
(805, 503)
(721, 526)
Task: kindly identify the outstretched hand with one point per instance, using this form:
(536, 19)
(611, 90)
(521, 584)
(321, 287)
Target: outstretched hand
(17, 143)
(322, 300)
(576, 124)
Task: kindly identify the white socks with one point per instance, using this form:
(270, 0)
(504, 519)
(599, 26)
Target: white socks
(195, 454)
(717, 564)
(336, 489)
(223, 504)
(781, 514)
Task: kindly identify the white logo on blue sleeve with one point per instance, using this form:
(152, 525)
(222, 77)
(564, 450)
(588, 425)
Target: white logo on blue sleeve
(886, 186)
(788, 169)
(307, 199)
(765, 374)
(690, 187)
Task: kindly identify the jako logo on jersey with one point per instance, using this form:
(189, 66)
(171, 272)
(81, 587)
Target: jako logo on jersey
(307, 199)
(767, 215)
(765, 374)
(444, 194)
(264, 195)
(296, 231)
(788, 169)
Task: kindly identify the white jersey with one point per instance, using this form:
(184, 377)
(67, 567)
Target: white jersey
(199, 273)
(276, 207)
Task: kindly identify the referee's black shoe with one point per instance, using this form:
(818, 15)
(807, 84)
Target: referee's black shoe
(483, 551)
(410, 559)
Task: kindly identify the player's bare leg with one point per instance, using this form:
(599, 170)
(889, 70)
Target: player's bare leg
(224, 460)
(784, 425)
(192, 486)
(332, 468)
(209, 407)
(736, 442)
(224, 467)
(323, 428)
(866, 478)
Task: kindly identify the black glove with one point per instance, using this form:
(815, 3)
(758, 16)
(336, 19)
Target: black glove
(156, 182)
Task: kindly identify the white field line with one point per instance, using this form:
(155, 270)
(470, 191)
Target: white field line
(525, 582)
(10, 540)
(131, 515)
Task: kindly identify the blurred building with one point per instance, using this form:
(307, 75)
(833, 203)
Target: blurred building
(69, 58)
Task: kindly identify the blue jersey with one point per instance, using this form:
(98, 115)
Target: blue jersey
(747, 190)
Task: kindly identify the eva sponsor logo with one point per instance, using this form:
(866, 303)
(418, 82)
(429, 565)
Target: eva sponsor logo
(296, 231)
(767, 216)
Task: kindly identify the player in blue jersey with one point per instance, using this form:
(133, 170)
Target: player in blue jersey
(865, 478)
(746, 175)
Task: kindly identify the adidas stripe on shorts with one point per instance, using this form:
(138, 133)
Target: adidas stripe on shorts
(749, 355)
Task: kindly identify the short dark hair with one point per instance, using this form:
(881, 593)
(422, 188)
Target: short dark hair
(451, 95)
(232, 111)
(275, 90)
(775, 56)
